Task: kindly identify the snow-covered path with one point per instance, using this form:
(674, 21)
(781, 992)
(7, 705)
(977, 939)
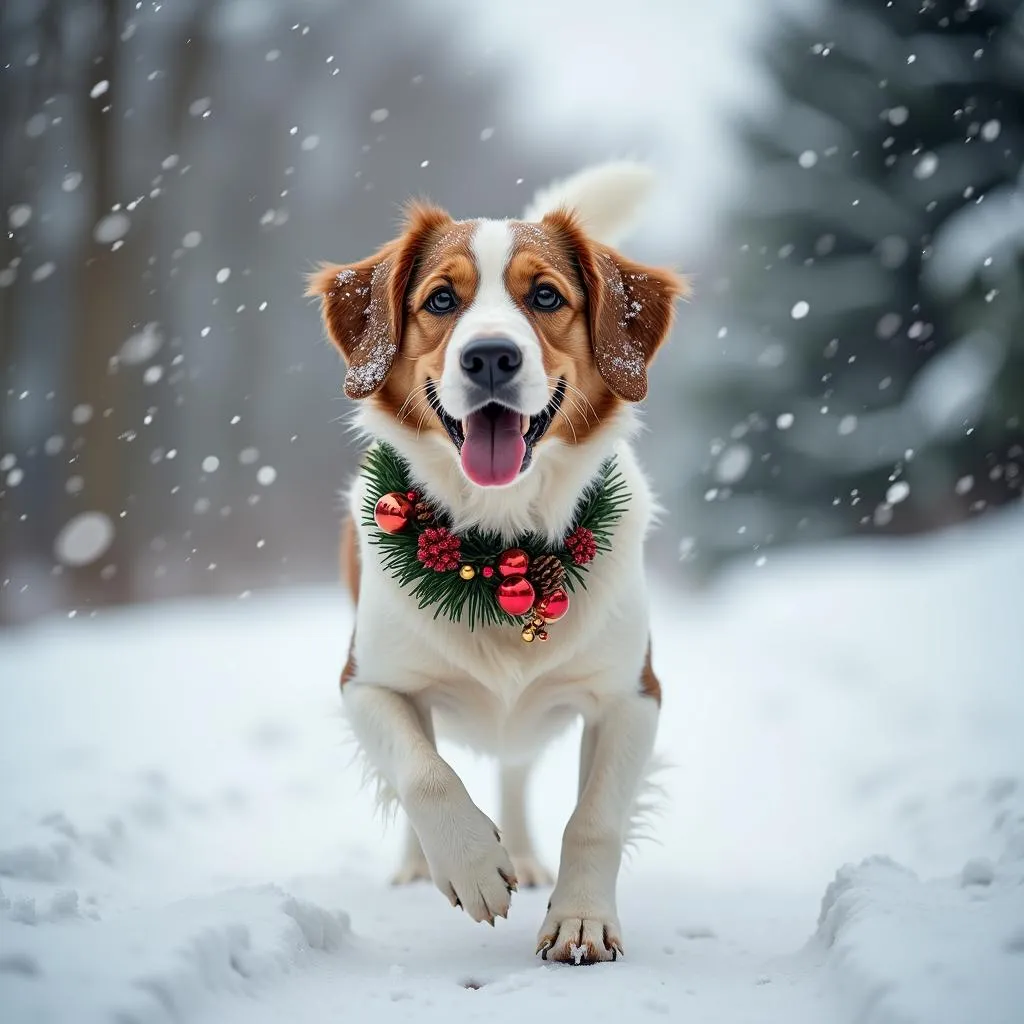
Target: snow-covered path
(182, 836)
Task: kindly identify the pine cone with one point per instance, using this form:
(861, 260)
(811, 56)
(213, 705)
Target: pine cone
(547, 574)
(424, 512)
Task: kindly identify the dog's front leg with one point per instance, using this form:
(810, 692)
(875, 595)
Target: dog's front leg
(582, 923)
(461, 844)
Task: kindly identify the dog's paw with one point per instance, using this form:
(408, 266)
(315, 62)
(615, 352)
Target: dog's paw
(579, 939)
(530, 872)
(480, 879)
(473, 870)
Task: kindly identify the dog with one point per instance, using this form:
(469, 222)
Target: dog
(501, 360)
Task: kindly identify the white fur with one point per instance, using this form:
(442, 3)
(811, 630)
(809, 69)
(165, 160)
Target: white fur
(490, 690)
(606, 198)
(493, 314)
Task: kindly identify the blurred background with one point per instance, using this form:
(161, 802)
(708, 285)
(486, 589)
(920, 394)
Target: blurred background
(842, 179)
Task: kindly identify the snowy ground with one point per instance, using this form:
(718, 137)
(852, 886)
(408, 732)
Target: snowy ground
(182, 839)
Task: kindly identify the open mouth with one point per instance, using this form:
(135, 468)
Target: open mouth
(496, 443)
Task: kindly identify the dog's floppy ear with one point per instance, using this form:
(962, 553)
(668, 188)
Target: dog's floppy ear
(630, 307)
(363, 303)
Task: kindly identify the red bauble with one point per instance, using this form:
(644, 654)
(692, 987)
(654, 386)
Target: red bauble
(438, 549)
(516, 595)
(513, 562)
(581, 545)
(488, 571)
(554, 606)
(392, 512)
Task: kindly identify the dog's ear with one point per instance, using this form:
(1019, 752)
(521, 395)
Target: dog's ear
(363, 303)
(630, 307)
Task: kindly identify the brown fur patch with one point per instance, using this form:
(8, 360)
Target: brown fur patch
(350, 558)
(540, 256)
(364, 303)
(350, 574)
(446, 260)
(350, 664)
(649, 685)
(629, 306)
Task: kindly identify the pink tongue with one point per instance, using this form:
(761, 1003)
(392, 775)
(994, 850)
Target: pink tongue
(493, 451)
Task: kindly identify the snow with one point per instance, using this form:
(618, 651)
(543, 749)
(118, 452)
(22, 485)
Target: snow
(19, 215)
(184, 837)
(84, 538)
(112, 227)
(141, 346)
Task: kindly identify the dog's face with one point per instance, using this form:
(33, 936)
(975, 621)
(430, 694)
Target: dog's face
(497, 338)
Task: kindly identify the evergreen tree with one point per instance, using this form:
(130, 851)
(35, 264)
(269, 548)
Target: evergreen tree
(873, 305)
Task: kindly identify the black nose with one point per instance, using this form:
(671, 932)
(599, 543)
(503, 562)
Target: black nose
(489, 362)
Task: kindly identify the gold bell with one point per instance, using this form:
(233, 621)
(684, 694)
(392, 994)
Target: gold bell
(528, 634)
(467, 572)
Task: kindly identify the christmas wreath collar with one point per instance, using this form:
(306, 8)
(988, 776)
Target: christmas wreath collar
(472, 576)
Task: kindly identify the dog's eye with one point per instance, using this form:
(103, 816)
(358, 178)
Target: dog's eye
(441, 301)
(546, 298)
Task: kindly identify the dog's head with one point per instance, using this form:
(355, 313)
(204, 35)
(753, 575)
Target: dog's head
(496, 338)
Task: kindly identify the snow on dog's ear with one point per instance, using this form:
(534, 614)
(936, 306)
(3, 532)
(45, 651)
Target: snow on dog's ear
(363, 303)
(630, 307)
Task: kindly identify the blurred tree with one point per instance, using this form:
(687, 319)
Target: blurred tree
(872, 314)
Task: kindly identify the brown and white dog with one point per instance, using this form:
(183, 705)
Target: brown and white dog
(502, 359)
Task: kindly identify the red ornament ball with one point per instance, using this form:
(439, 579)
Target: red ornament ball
(516, 595)
(513, 562)
(554, 606)
(411, 495)
(438, 549)
(581, 545)
(488, 571)
(392, 512)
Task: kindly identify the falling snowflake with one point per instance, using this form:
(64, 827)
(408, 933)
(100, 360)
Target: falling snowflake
(112, 227)
(19, 215)
(899, 491)
(83, 539)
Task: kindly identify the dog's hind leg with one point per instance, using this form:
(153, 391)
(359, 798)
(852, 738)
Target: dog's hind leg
(515, 832)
